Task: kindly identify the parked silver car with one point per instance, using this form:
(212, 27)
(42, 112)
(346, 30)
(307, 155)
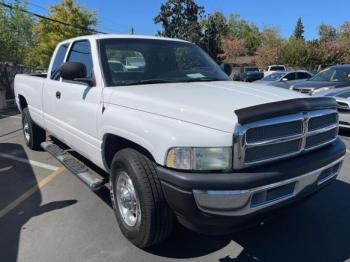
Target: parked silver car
(342, 96)
(285, 79)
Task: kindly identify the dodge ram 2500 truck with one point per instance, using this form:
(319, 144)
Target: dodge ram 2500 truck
(175, 138)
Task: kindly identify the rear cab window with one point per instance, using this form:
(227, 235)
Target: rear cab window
(58, 61)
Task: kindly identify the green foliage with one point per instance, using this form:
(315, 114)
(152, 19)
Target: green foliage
(215, 29)
(298, 53)
(299, 30)
(16, 38)
(294, 52)
(15, 33)
(270, 37)
(180, 19)
(48, 33)
(249, 32)
(327, 33)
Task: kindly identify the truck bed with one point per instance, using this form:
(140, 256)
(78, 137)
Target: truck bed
(30, 87)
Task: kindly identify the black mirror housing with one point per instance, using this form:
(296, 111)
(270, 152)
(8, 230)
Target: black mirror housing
(73, 70)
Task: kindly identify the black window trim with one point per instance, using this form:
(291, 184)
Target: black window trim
(68, 44)
(100, 62)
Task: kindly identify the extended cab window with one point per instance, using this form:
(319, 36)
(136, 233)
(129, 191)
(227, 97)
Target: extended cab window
(81, 52)
(58, 61)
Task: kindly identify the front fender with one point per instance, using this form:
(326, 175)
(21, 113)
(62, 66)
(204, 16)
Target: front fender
(157, 133)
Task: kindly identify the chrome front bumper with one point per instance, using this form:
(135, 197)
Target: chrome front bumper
(244, 202)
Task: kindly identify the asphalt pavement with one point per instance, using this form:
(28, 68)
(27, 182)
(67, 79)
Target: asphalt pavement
(46, 214)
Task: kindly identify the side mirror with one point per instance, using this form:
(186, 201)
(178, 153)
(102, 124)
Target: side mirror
(75, 71)
(284, 79)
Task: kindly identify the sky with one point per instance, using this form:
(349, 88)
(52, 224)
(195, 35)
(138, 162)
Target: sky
(119, 16)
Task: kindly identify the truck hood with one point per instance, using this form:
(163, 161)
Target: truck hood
(210, 104)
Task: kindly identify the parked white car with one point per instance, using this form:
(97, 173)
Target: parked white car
(274, 68)
(177, 139)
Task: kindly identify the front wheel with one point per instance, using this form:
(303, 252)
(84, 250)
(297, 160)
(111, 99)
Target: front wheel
(33, 134)
(141, 210)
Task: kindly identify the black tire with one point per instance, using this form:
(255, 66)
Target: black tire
(156, 219)
(37, 135)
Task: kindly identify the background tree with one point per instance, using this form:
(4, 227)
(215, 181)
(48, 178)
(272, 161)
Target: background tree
(242, 29)
(327, 33)
(270, 50)
(299, 29)
(344, 32)
(48, 33)
(215, 29)
(16, 38)
(271, 37)
(232, 48)
(180, 19)
(294, 53)
(268, 56)
(314, 54)
(333, 52)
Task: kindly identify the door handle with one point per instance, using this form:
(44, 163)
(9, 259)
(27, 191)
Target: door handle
(58, 95)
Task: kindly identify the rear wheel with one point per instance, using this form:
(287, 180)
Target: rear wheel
(142, 213)
(33, 134)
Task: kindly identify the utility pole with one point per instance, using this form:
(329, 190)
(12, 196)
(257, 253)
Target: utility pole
(132, 31)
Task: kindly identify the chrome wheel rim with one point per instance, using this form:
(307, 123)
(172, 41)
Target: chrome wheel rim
(26, 129)
(128, 202)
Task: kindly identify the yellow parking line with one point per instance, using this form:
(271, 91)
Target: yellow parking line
(30, 192)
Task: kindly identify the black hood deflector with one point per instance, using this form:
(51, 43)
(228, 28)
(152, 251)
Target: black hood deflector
(285, 107)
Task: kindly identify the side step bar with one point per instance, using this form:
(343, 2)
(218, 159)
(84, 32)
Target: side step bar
(89, 177)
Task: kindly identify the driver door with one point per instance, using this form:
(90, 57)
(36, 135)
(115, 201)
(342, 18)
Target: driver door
(78, 105)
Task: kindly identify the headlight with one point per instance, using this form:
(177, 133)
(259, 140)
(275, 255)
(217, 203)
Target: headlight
(200, 158)
(322, 89)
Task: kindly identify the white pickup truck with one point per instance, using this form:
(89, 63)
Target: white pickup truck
(175, 138)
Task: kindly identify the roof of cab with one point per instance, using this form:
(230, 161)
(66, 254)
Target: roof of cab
(121, 36)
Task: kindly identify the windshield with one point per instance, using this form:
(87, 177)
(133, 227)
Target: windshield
(148, 61)
(333, 74)
(273, 77)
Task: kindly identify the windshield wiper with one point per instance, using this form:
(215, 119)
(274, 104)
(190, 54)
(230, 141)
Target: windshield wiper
(145, 82)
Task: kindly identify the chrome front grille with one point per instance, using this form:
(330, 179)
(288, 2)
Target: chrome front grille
(260, 153)
(272, 131)
(282, 137)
